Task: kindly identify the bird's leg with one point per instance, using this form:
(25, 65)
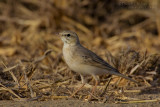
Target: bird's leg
(95, 86)
(83, 83)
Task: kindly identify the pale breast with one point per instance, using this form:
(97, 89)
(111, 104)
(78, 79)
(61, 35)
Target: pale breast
(69, 56)
(72, 59)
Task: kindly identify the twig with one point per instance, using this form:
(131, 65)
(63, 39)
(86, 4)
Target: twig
(42, 57)
(136, 67)
(106, 86)
(27, 82)
(13, 76)
(138, 101)
(10, 68)
(9, 90)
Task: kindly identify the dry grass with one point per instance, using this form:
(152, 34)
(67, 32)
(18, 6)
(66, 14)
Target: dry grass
(128, 30)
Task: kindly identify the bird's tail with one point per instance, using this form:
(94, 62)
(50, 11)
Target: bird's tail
(123, 76)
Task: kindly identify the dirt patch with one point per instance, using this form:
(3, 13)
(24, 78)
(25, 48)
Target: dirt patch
(71, 103)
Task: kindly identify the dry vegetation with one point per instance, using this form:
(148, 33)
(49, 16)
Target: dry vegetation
(126, 34)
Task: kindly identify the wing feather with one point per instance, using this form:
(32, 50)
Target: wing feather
(94, 60)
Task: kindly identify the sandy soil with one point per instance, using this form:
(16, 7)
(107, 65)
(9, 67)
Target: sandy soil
(71, 103)
(147, 96)
(78, 103)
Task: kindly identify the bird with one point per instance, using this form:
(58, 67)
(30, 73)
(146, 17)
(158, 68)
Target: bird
(83, 61)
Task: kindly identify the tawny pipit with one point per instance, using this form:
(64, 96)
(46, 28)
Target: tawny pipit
(84, 61)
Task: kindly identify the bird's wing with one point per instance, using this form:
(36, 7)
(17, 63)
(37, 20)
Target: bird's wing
(92, 59)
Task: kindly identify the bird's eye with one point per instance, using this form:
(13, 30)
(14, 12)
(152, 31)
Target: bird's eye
(68, 35)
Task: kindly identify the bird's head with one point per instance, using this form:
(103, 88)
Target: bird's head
(69, 37)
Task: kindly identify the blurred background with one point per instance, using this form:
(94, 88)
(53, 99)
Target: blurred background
(107, 24)
(126, 33)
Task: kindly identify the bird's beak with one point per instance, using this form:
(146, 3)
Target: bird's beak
(57, 33)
